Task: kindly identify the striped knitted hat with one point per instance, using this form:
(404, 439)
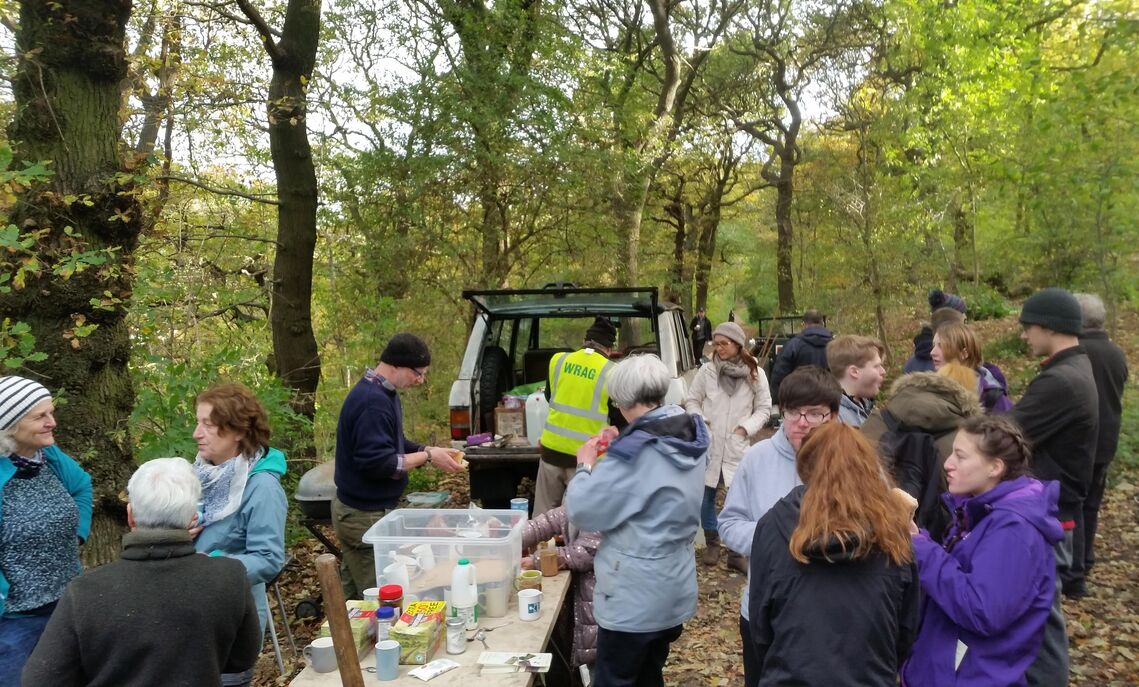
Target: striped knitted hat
(17, 398)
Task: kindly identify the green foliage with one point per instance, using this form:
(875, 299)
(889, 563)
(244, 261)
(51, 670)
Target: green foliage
(1126, 465)
(984, 302)
(1007, 348)
(164, 416)
(18, 345)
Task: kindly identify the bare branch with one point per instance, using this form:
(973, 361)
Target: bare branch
(218, 191)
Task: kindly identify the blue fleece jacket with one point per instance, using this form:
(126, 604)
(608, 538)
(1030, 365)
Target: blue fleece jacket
(75, 480)
(644, 498)
(987, 599)
(369, 441)
(255, 534)
(766, 474)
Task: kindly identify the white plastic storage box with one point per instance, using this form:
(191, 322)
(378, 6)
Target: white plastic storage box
(419, 547)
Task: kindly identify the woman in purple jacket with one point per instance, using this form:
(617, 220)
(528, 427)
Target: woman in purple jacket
(990, 588)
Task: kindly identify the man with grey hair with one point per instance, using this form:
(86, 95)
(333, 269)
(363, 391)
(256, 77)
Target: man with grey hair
(161, 614)
(1109, 367)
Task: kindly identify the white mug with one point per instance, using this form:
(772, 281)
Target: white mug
(425, 556)
(396, 573)
(529, 604)
(321, 655)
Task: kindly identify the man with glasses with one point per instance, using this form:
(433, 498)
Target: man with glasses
(373, 456)
(809, 396)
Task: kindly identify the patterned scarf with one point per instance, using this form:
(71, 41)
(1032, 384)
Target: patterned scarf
(223, 485)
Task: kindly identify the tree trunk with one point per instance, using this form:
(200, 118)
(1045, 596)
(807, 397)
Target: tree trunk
(295, 353)
(71, 61)
(785, 234)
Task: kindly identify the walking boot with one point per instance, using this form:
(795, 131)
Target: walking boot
(711, 547)
(737, 562)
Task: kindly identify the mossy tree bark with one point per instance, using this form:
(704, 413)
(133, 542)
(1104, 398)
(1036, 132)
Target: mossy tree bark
(292, 51)
(71, 64)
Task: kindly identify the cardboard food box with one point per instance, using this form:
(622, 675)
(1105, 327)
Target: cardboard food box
(361, 618)
(419, 632)
(510, 421)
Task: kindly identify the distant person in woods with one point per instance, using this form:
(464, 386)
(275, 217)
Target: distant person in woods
(701, 333)
(1109, 367)
(856, 362)
(46, 499)
(944, 308)
(373, 456)
(730, 392)
(1059, 414)
(578, 390)
(808, 347)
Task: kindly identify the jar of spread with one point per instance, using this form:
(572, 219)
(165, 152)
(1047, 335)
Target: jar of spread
(456, 635)
(548, 561)
(391, 596)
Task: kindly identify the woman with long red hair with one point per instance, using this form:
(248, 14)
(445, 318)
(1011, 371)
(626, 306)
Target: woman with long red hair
(834, 589)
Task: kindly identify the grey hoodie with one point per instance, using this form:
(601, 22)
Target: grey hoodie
(644, 498)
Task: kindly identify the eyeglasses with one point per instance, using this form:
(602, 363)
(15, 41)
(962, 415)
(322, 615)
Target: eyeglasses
(813, 417)
(419, 374)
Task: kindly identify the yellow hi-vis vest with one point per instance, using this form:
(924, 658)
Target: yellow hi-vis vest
(579, 399)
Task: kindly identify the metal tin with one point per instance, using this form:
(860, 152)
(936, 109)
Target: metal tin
(456, 635)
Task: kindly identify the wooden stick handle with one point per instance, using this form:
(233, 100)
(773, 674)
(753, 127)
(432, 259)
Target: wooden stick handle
(328, 572)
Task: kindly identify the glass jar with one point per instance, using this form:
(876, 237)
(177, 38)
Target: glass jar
(391, 596)
(456, 635)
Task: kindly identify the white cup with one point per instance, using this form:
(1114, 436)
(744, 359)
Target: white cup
(529, 604)
(321, 655)
(494, 598)
(396, 573)
(425, 556)
(372, 594)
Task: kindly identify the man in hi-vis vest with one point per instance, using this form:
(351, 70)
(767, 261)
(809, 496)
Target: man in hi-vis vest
(579, 409)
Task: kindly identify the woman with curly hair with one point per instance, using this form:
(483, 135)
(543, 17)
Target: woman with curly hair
(834, 591)
(243, 505)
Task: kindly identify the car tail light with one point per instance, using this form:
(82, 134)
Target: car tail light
(460, 422)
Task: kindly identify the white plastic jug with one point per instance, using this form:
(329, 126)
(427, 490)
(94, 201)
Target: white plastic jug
(537, 408)
(465, 593)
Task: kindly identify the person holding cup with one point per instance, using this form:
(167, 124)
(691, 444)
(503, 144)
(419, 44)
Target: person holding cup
(990, 587)
(576, 556)
(644, 499)
(373, 456)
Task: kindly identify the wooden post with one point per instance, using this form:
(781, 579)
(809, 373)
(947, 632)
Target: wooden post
(328, 573)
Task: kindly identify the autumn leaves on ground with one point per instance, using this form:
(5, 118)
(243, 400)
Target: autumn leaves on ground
(1103, 628)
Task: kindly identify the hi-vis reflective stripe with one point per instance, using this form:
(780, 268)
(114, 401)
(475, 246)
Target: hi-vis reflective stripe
(568, 433)
(595, 412)
(557, 373)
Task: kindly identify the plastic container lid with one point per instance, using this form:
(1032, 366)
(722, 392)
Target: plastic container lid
(390, 592)
(385, 613)
(464, 561)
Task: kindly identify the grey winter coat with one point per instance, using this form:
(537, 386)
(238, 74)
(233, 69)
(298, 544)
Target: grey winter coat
(577, 556)
(748, 407)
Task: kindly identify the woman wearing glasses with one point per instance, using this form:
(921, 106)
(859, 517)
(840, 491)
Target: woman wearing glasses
(989, 588)
(809, 397)
(730, 392)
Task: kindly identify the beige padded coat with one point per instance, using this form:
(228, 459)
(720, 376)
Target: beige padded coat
(749, 407)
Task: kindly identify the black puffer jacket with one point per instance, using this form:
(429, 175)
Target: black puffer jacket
(1059, 414)
(836, 621)
(809, 347)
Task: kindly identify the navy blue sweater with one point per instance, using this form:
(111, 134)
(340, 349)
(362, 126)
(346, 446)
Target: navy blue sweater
(369, 441)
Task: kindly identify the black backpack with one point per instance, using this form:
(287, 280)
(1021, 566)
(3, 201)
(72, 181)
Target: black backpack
(915, 463)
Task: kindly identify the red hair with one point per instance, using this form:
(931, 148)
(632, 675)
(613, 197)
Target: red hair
(847, 498)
